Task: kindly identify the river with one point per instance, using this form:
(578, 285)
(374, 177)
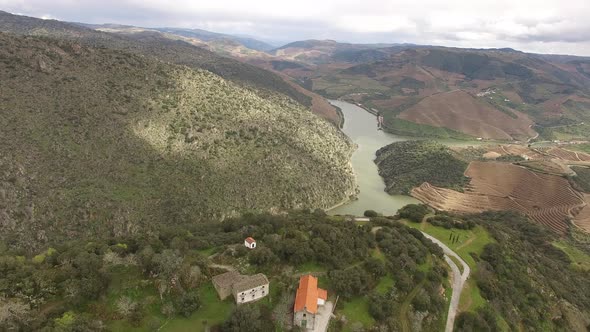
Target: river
(361, 127)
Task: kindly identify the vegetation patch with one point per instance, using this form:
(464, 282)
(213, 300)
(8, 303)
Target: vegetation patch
(525, 279)
(582, 178)
(408, 164)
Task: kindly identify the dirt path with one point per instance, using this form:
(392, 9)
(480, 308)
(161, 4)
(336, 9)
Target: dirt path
(403, 311)
(468, 242)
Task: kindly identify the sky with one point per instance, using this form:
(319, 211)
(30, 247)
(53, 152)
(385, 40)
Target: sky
(541, 26)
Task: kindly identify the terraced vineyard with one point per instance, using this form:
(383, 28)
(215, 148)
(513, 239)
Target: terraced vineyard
(568, 155)
(548, 199)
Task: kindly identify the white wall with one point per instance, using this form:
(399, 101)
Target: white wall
(252, 294)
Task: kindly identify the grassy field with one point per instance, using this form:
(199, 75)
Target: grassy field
(580, 147)
(376, 253)
(212, 311)
(310, 267)
(579, 259)
(385, 283)
(356, 311)
(468, 241)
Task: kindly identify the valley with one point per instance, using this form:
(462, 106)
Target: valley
(139, 164)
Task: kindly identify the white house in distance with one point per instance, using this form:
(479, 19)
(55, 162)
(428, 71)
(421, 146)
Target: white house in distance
(250, 243)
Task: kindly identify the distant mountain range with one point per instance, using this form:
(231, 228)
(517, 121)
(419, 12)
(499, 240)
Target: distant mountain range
(500, 94)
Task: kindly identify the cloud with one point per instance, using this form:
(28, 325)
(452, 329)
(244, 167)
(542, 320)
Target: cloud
(539, 26)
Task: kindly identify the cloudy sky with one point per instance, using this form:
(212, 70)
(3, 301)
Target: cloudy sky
(544, 26)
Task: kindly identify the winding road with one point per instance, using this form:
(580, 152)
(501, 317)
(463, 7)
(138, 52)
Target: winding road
(458, 278)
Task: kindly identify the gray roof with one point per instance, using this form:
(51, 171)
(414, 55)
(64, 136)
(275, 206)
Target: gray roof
(249, 282)
(227, 279)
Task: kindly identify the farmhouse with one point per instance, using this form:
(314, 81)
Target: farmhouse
(250, 243)
(307, 300)
(243, 288)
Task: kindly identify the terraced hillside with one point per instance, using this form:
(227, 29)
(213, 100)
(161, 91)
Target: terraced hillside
(547, 184)
(460, 111)
(101, 141)
(522, 94)
(547, 199)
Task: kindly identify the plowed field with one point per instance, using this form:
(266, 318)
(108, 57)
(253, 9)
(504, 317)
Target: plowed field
(568, 155)
(460, 111)
(547, 199)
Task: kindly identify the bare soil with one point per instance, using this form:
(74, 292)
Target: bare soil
(548, 199)
(460, 111)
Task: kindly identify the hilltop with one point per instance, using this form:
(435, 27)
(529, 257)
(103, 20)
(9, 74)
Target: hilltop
(171, 48)
(525, 93)
(100, 141)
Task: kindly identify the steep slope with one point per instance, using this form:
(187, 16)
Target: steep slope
(553, 92)
(462, 112)
(208, 36)
(99, 141)
(155, 44)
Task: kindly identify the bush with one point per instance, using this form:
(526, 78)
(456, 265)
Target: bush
(414, 212)
(371, 214)
(188, 303)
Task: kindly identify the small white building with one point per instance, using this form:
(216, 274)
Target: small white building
(250, 243)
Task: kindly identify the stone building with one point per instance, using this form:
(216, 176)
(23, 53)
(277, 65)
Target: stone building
(244, 288)
(307, 300)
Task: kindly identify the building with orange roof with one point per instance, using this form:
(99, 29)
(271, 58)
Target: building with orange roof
(250, 243)
(307, 300)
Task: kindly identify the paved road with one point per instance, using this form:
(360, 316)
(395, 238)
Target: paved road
(458, 280)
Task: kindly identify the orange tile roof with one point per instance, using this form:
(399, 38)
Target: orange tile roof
(308, 294)
(250, 239)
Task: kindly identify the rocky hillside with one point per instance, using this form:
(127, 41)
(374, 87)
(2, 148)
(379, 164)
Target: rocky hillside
(156, 44)
(101, 141)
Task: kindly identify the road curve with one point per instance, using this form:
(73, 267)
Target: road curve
(458, 280)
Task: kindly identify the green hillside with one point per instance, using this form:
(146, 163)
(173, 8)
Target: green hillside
(408, 164)
(100, 141)
(155, 44)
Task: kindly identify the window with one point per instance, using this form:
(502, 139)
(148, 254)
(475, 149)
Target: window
(243, 293)
(263, 292)
(304, 315)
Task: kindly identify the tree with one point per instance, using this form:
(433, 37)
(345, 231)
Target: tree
(371, 214)
(246, 318)
(263, 256)
(414, 212)
(188, 303)
(125, 306)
